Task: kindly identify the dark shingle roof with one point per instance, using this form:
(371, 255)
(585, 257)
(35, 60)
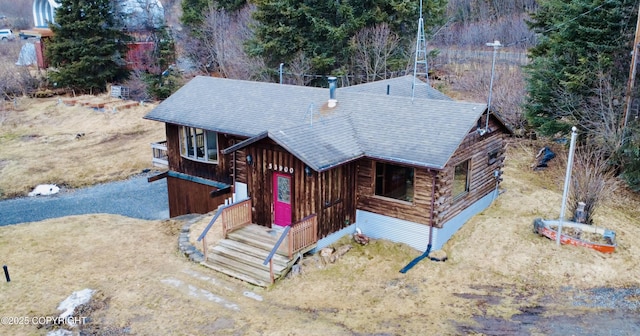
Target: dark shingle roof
(420, 132)
(399, 86)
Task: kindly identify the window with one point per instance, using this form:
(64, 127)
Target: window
(493, 156)
(461, 179)
(394, 182)
(198, 144)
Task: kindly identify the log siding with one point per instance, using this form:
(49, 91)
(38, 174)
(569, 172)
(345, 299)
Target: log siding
(474, 148)
(482, 180)
(416, 211)
(328, 194)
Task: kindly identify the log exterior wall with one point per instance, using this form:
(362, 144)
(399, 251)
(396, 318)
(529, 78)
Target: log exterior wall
(328, 194)
(417, 211)
(482, 180)
(333, 195)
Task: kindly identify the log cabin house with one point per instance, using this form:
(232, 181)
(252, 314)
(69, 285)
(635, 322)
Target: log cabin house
(368, 156)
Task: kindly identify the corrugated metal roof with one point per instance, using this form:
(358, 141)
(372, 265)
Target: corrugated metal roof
(420, 132)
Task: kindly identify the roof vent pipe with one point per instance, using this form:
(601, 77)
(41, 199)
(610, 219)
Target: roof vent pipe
(332, 91)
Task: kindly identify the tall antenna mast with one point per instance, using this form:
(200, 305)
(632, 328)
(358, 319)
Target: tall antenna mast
(421, 57)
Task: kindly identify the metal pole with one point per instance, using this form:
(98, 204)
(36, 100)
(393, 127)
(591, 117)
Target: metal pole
(281, 65)
(567, 181)
(496, 44)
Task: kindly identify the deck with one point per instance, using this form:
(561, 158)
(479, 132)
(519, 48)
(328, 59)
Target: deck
(242, 254)
(254, 253)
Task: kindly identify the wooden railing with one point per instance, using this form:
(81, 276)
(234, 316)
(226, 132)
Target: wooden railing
(303, 234)
(203, 235)
(300, 235)
(236, 216)
(233, 218)
(159, 150)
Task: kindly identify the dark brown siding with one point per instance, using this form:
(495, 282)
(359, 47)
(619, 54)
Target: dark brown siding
(187, 197)
(337, 198)
(328, 194)
(416, 211)
(482, 180)
(191, 197)
(221, 172)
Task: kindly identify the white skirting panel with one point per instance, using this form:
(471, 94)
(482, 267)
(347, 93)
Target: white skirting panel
(334, 237)
(394, 229)
(401, 231)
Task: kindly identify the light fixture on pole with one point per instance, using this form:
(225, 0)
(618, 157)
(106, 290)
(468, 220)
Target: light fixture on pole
(495, 44)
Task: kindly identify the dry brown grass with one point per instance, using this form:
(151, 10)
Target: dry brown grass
(495, 253)
(39, 144)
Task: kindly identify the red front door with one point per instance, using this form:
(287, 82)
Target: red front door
(281, 199)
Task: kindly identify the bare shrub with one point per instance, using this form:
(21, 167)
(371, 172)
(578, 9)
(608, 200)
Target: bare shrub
(19, 14)
(299, 67)
(508, 89)
(218, 45)
(15, 80)
(598, 116)
(373, 46)
(592, 180)
(511, 30)
(137, 86)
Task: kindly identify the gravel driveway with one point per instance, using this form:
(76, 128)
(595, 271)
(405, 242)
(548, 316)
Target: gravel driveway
(134, 197)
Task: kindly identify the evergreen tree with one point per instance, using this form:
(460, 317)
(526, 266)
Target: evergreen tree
(193, 11)
(163, 78)
(578, 41)
(322, 29)
(87, 49)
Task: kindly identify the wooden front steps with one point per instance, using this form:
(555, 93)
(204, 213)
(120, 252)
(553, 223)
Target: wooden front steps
(242, 253)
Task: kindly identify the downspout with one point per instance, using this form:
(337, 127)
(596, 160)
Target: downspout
(433, 209)
(233, 187)
(431, 222)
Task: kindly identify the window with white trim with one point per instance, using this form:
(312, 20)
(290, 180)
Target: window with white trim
(198, 144)
(461, 178)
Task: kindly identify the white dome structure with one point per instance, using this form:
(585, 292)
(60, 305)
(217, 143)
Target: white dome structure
(137, 14)
(43, 12)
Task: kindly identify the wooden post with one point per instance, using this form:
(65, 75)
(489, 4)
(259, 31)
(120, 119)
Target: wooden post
(204, 247)
(273, 280)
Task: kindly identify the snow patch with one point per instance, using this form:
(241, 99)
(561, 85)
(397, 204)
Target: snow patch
(74, 300)
(45, 190)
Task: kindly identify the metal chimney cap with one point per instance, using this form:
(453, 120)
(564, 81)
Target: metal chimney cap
(332, 92)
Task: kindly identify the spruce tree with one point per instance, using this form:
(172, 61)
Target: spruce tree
(580, 42)
(193, 11)
(322, 29)
(88, 47)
